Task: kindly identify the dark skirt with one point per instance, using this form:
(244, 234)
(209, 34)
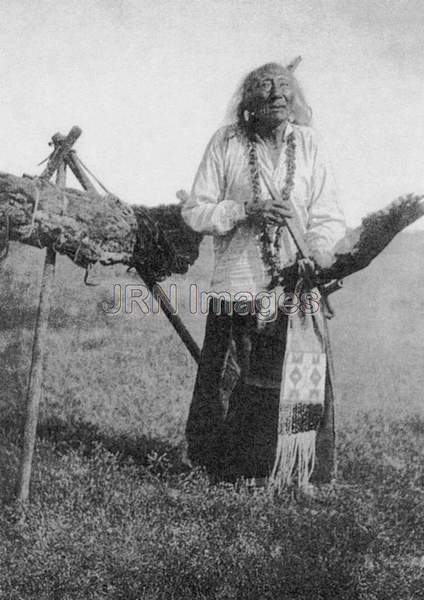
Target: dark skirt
(233, 418)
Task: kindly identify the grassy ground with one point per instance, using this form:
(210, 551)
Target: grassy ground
(115, 515)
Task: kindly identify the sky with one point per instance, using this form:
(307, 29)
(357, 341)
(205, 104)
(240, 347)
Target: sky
(149, 82)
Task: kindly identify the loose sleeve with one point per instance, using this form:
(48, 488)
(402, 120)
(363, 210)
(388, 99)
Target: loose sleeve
(206, 210)
(326, 223)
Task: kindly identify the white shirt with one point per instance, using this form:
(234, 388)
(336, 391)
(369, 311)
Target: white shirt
(223, 185)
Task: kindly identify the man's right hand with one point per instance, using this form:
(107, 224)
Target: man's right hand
(270, 212)
(276, 213)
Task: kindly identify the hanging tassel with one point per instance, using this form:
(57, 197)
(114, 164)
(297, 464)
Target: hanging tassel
(295, 453)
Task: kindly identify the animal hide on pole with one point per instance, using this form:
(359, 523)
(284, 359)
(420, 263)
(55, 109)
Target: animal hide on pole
(90, 228)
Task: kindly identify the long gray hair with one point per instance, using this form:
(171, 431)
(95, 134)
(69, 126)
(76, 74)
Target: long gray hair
(301, 113)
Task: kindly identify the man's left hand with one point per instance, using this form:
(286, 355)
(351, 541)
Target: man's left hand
(307, 268)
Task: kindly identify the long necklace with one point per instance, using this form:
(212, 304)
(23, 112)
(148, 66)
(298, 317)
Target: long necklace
(270, 236)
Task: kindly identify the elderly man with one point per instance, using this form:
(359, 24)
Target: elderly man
(262, 403)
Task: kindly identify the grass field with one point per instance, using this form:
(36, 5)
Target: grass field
(114, 514)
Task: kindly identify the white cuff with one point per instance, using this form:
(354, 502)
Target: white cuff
(225, 216)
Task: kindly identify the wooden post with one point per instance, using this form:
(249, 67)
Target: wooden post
(62, 145)
(61, 175)
(35, 383)
(174, 319)
(74, 164)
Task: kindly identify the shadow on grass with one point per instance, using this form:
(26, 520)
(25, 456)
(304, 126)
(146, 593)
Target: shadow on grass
(84, 437)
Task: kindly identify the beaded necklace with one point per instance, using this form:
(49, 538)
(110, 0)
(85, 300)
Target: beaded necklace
(270, 236)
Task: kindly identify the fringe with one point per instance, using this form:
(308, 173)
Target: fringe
(295, 453)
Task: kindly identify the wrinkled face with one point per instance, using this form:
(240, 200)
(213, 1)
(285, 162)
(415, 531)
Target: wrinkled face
(269, 96)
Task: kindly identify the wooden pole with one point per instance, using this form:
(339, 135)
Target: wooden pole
(174, 319)
(62, 145)
(74, 164)
(35, 383)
